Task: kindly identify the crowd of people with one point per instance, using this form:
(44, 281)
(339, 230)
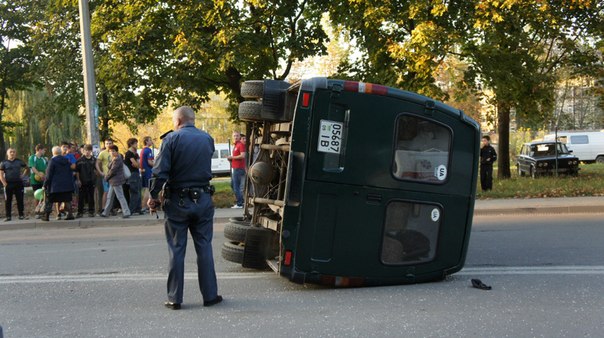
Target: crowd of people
(79, 183)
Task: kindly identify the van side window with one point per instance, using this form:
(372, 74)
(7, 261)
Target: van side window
(410, 233)
(215, 154)
(579, 139)
(421, 150)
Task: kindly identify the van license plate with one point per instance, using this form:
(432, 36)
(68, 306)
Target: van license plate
(330, 137)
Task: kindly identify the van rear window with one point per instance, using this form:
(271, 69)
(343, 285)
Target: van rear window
(421, 150)
(410, 233)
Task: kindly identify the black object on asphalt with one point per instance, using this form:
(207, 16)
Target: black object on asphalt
(477, 283)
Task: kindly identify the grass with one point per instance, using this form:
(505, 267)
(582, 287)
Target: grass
(224, 196)
(589, 182)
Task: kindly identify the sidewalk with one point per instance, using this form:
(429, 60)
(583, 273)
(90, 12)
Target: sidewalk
(557, 205)
(482, 208)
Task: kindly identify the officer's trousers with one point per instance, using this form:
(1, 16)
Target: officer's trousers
(198, 218)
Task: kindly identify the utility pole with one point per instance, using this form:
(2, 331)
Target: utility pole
(92, 132)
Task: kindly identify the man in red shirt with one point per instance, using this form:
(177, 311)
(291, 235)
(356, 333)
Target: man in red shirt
(238, 169)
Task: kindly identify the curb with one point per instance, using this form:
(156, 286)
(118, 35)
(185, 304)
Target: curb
(569, 209)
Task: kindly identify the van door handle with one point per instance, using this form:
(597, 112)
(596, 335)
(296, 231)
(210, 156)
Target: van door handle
(375, 198)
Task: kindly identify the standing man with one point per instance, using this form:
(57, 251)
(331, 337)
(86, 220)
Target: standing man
(488, 156)
(37, 166)
(134, 182)
(11, 175)
(147, 160)
(86, 178)
(102, 167)
(238, 170)
(187, 205)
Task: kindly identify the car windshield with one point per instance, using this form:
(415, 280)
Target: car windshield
(548, 149)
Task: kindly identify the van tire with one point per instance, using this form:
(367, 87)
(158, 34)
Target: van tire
(600, 159)
(236, 232)
(232, 252)
(250, 111)
(253, 89)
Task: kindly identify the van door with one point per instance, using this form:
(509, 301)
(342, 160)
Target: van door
(378, 174)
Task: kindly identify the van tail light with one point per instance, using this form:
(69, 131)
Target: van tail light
(305, 100)
(287, 260)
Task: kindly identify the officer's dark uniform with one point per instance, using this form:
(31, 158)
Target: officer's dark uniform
(184, 162)
(488, 156)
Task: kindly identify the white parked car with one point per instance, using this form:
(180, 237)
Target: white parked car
(220, 164)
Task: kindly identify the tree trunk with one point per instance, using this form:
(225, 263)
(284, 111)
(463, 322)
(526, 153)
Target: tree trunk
(503, 129)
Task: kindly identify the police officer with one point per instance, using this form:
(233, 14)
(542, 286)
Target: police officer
(182, 172)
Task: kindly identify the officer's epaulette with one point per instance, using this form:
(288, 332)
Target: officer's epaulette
(165, 134)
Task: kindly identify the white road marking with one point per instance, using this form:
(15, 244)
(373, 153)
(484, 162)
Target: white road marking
(116, 277)
(534, 270)
(113, 277)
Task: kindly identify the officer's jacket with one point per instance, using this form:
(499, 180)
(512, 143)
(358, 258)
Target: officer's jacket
(185, 159)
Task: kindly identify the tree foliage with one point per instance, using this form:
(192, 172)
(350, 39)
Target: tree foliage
(182, 51)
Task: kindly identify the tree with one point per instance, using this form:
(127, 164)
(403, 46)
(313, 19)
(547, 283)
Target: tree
(15, 57)
(516, 48)
(183, 51)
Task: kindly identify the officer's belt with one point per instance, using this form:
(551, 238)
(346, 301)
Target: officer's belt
(192, 192)
(185, 191)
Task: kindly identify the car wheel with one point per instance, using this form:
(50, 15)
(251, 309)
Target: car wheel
(533, 172)
(250, 111)
(600, 159)
(520, 172)
(233, 252)
(252, 89)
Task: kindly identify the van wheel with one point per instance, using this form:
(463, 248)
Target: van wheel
(600, 159)
(250, 111)
(253, 89)
(233, 252)
(236, 232)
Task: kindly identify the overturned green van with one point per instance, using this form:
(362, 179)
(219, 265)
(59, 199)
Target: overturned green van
(353, 184)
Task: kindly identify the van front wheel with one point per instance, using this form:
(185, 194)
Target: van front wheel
(600, 159)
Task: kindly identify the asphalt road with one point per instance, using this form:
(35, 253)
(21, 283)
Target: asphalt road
(547, 277)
